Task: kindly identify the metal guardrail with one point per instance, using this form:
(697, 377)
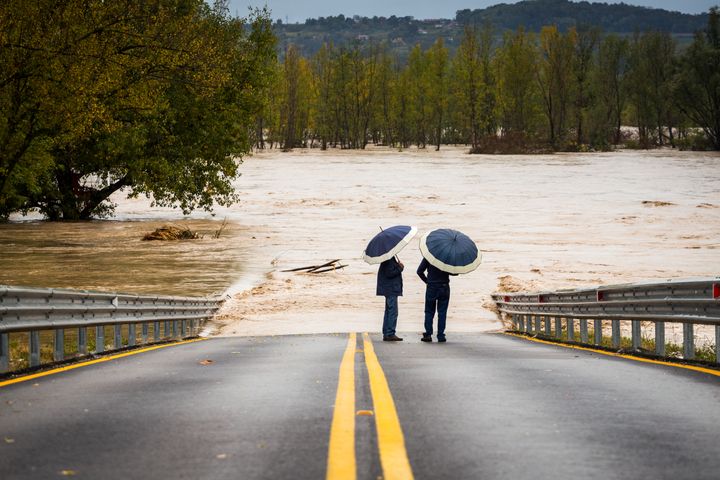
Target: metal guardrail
(690, 302)
(32, 310)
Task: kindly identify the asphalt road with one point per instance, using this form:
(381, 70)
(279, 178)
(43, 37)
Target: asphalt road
(484, 406)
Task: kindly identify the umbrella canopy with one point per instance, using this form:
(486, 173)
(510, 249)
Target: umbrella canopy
(450, 251)
(388, 243)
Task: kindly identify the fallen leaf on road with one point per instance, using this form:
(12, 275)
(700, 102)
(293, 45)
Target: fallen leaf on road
(9, 440)
(206, 362)
(221, 455)
(68, 473)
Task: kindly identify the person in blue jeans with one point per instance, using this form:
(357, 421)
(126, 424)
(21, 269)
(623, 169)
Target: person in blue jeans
(437, 297)
(390, 286)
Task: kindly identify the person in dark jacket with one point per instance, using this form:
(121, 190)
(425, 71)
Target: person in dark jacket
(437, 296)
(390, 285)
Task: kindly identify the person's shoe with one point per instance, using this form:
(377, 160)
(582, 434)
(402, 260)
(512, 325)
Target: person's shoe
(441, 340)
(426, 338)
(392, 338)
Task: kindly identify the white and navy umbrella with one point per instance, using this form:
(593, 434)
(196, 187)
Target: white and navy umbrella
(450, 251)
(388, 243)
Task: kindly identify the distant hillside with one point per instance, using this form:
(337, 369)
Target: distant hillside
(402, 33)
(621, 18)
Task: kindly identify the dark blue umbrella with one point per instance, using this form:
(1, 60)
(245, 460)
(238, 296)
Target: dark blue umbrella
(450, 251)
(388, 243)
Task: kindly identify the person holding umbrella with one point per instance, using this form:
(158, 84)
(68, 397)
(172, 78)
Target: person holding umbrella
(383, 249)
(445, 252)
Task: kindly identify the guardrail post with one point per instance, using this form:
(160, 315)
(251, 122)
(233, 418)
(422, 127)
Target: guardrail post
(521, 320)
(174, 329)
(82, 340)
(538, 324)
(583, 330)
(597, 333)
(34, 348)
(548, 330)
(132, 335)
(118, 337)
(717, 343)
(192, 328)
(615, 333)
(166, 332)
(156, 331)
(558, 327)
(144, 332)
(688, 341)
(571, 329)
(59, 351)
(182, 329)
(636, 335)
(4, 352)
(660, 338)
(99, 339)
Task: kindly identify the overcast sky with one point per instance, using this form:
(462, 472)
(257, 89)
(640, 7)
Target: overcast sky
(299, 10)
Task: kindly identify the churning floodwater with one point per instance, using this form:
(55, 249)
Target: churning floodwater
(549, 221)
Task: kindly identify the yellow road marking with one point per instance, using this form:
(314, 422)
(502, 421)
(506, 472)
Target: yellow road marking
(92, 362)
(341, 451)
(391, 443)
(621, 355)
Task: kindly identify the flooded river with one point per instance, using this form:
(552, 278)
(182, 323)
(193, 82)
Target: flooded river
(548, 221)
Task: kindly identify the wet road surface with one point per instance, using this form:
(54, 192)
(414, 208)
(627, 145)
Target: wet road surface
(485, 406)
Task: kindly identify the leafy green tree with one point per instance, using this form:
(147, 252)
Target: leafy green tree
(609, 87)
(554, 77)
(156, 96)
(437, 91)
(518, 96)
(697, 89)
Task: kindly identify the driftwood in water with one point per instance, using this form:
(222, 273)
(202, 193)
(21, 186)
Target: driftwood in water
(329, 269)
(312, 268)
(171, 232)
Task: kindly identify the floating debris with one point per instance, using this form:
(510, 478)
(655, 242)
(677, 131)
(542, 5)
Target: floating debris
(172, 232)
(325, 267)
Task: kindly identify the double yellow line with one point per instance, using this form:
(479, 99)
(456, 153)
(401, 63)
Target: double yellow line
(391, 443)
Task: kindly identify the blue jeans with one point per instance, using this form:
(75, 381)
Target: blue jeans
(437, 296)
(391, 316)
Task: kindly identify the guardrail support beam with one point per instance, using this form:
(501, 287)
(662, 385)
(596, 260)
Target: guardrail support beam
(59, 351)
(660, 338)
(34, 348)
(717, 343)
(583, 330)
(99, 339)
(156, 331)
(4, 352)
(597, 333)
(636, 335)
(174, 329)
(82, 340)
(144, 332)
(558, 327)
(538, 324)
(548, 327)
(616, 333)
(117, 343)
(132, 334)
(688, 341)
(571, 329)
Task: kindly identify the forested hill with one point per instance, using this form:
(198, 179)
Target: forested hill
(402, 33)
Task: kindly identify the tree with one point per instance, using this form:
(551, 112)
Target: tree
(608, 83)
(437, 79)
(518, 95)
(154, 96)
(554, 78)
(697, 83)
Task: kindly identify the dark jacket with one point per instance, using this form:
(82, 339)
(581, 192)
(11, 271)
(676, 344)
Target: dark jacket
(434, 274)
(389, 279)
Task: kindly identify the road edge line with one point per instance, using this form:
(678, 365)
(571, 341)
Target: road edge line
(80, 364)
(391, 443)
(695, 368)
(341, 464)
